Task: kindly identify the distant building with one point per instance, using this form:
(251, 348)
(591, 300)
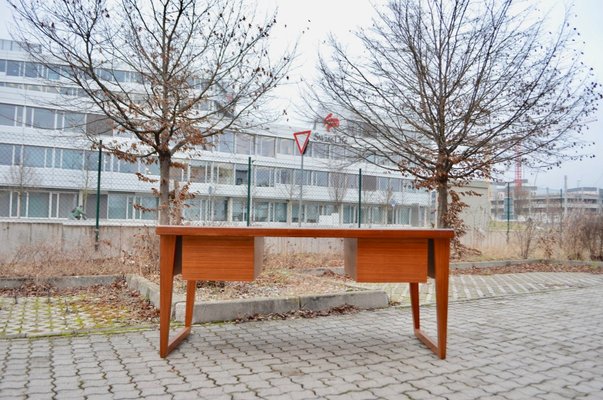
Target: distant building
(509, 202)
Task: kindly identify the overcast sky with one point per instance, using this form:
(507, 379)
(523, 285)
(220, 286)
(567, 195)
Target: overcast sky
(318, 18)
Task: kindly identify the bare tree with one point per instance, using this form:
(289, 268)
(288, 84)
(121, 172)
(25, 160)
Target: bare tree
(449, 90)
(168, 74)
(338, 189)
(21, 178)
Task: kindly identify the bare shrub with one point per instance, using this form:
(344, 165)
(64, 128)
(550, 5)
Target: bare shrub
(526, 235)
(144, 256)
(583, 237)
(43, 260)
(548, 242)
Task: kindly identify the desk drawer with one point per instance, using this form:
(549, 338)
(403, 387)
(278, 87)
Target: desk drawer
(386, 260)
(210, 258)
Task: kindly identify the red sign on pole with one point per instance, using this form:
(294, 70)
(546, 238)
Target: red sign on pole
(302, 139)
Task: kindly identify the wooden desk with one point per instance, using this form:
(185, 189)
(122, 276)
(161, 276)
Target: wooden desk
(371, 255)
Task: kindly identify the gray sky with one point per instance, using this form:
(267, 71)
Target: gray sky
(319, 17)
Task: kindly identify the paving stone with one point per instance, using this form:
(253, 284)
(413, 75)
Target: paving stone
(542, 344)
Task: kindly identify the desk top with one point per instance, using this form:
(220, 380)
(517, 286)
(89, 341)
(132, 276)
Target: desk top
(409, 233)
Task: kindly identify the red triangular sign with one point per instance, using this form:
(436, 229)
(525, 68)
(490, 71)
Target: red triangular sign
(302, 139)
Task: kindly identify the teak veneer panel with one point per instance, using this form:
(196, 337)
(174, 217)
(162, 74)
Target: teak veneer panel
(386, 260)
(222, 231)
(221, 258)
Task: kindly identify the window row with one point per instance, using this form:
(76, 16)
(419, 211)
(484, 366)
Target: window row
(132, 206)
(18, 47)
(61, 205)
(35, 70)
(44, 118)
(267, 146)
(53, 89)
(265, 176)
(198, 171)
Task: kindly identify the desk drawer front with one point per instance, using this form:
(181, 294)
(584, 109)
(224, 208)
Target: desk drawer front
(221, 258)
(386, 260)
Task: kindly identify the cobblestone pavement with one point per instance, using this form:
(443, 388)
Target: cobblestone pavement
(539, 345)
(467, 287)
(43, 316)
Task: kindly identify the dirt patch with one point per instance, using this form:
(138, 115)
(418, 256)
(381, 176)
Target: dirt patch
(297, 314)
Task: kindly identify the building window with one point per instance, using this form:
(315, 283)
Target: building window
(38, 204)
(369, 183)
(223, 174)
(320, 150)
(198, 173)
(219, 209)
(307, 177)
(7, 114)
(34, 156)
(41, 118)
(31, 70)
(383, 183)
(241, 174)
(239, 210)
(97, 124)
(6, 154)
(127, 167)
(280, 212)
(264, 177)
(4, 203)
(71, 159)
(244, 144)
(118, 206)
(145, 207)
(194, 209)
(261, 211)
(284, 176)
(91, 160)
(286, 146)
(14, 68)
(265, 146)
(312, 213)
(226, 144)
(75, 122)
(321, 178)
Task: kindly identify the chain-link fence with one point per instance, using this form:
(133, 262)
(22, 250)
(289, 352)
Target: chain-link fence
(46, 182)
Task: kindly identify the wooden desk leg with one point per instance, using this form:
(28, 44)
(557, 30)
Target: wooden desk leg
(414, 303)
(191, 286)
(441, 261)
(166, 286)
(167, 251)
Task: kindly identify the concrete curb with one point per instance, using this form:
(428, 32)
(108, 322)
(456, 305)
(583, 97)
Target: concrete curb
(230, 310)
(61, 282)
(506, 263)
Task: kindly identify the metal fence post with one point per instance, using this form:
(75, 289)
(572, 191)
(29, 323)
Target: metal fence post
(359, 197)
(98, 185)
(249, 191)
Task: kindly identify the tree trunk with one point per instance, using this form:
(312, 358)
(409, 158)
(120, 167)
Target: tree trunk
(442, 191)
(164, 188)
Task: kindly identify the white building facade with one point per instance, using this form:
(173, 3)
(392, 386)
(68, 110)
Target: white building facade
(48, 168)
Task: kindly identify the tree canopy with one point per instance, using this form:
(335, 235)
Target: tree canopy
(450, 90)
(168, 74)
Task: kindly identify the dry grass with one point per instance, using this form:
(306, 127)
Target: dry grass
(44, 260)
